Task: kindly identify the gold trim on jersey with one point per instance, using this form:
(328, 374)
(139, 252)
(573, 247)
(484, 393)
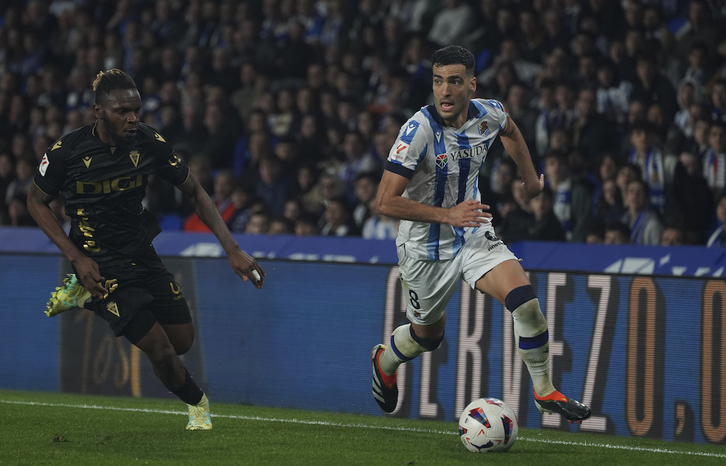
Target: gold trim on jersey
(41, 189)
(56, 145)
(134, 155)
(159, 138)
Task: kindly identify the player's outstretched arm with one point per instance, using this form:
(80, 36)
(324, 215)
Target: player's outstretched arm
(516, 147)
(86, 268)
(391, 203)
(242, 263)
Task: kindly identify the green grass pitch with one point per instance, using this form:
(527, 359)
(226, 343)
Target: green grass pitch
(68, 429)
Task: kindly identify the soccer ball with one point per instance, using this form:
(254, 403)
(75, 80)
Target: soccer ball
(488, 425)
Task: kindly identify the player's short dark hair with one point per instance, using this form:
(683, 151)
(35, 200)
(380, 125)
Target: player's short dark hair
(109, 80)
(454, 55)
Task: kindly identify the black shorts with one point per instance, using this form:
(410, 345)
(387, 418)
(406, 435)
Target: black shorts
(141, 293)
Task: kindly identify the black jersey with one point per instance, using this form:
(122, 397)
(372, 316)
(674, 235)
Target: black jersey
(104, 187)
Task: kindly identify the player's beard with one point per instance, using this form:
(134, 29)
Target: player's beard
(116, 138)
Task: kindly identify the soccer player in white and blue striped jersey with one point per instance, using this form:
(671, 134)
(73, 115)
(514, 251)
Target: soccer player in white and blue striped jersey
(430, 183)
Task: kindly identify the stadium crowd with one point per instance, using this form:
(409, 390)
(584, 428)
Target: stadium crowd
(286, 110)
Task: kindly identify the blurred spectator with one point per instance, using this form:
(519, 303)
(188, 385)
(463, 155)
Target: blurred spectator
(613, 93)
(681, 134)
(281, 120)
(701, 132)
(499, 190)
(510, 56)
(281, 226)
(532, 221)
(221, 136)
(592, 133)
(596, 234)
(672, 237)
(357, 160)
(337, 219)
(194, 133)
(546, 225)
(714, 160)
(617, 233)
(718, 237)
(718, 99)
(659, 171)
(609, 207)
(258, 223)
(294, 55)
(517, 105)
(572, 200)
(452, 24)
(651, 86)
(222, 198)
(272, 185)
(700, 28)
(646, 227)
(366, 187)
(24, 171)
(307, 225)
(626, 173)
(244, 203)
(7, 174)
(18, 212)
(698, 199)
(293, 210)
(328, 187)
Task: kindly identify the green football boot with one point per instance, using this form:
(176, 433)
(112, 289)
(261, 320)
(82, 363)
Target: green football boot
(72, 295)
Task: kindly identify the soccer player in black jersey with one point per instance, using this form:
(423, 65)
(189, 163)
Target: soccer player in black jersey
(102, 171)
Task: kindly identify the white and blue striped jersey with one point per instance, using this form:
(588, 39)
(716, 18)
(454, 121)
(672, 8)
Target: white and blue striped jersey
(442, 164)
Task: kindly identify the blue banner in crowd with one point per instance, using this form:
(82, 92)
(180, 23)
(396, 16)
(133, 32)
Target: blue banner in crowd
(690, 261)
(306, 248)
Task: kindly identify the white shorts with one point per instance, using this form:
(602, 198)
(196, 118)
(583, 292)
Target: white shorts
(429, 284)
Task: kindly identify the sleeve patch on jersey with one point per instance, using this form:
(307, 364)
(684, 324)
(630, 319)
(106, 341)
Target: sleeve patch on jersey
(44, 165)
(408, 131)
(399, 152)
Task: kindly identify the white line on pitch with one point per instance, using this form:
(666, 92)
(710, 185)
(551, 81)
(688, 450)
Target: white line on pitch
(365, 426)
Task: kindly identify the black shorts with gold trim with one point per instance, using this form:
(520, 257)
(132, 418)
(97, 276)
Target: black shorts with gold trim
(141, 292)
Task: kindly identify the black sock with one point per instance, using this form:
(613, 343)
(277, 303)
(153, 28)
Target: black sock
(189, 393)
